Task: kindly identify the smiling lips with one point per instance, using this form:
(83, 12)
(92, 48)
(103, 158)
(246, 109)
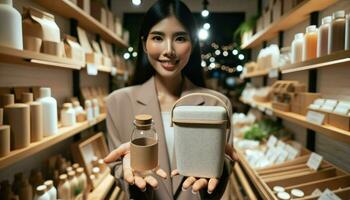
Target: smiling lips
(168, 64)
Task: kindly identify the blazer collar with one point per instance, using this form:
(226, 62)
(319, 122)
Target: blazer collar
(147, 92)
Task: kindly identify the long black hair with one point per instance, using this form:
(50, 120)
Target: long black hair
(160, 10)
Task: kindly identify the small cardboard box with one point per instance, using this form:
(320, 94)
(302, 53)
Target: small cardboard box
(339, 121)
(84, 153)
(301, 101)
(73, 49)
(85, 5)
(40, 24)
(83, 40)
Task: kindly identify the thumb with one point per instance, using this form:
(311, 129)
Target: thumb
(117, 153)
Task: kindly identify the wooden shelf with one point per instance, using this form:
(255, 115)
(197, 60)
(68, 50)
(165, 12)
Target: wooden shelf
(63, 133)
(333, 132)
(256, 74)
(244, 182)
(14, 56)
(298, 14)
(336, 59)
(102, 189)
(102, 68)
(69, 10)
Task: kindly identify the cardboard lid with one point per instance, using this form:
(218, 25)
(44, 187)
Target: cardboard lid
(199, 113)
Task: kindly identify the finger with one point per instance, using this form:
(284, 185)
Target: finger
(127, 170)
(140, 183)
(117, 153)
(175, 172)
(213, 182)
(199, 184)
(188, 182)
(230, 151)
(161, 173)
(151, 181)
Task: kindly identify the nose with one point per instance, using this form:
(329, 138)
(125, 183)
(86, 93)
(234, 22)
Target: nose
(169, 49)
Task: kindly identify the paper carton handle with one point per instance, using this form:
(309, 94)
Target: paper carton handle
(202, 94)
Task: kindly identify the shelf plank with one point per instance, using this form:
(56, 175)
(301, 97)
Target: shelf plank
(15, 56)
(63, 133)
(298, 14)
(102, 68)
(255, 74)
(333, 132)
(69, 10)
(245, 184)
(336, 59)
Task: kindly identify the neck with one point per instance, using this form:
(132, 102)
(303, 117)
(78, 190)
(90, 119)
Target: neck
(169, 86)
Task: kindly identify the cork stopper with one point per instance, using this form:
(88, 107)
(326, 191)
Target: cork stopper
(7, 99)
(75, 166)
(71, 175)
(79, 171)
(67, 106)
(41, 189)
(143, 119)
(69, 169)
(76, 103)
(49, 184)
(63, 177)
(27, 97)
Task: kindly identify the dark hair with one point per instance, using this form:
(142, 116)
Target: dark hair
(160, 10)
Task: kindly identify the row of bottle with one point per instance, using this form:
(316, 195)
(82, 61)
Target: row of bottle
(333, 35)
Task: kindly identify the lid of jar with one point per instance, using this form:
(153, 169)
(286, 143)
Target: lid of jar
(27, 97)
(95, 170)
(69, 169)
(63, 177)
(67, 105)
(311, 28)
(87, 103)
(297, 193)
(75, 165)
(80, 170)
(49, 184)
(76, 103)
(45, 92)
(143, 119)
(41, 189)
(8, 98)
(71, 174)
(278, 188)
(327, 20)
(299, 36)
(339, 14)
(283, 195)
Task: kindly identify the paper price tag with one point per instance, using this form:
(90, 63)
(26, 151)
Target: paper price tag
(315, 117)
(292, 152)
(91, 69)
(314, 161)
(273, 73)
(272, 141)
(328, 195)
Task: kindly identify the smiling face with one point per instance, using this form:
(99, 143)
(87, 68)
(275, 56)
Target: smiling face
(168, 47)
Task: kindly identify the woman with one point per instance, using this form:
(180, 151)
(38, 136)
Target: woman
(168, 67)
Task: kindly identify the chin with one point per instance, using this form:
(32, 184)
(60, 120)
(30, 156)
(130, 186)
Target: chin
(168, 74)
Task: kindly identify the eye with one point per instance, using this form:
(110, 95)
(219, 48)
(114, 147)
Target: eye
(157, 38)
(181, 39)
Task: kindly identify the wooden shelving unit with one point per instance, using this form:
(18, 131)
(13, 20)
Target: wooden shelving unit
(63, 133)
(14, 56)
(69, 10)
(328, 130)
(102, 68)
(335, 59)
(288, 20)
(102, 189)
(256, 74)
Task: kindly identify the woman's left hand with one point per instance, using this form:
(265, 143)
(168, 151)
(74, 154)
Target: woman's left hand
(198, 183)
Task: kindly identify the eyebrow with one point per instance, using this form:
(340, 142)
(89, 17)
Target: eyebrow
(180, 33)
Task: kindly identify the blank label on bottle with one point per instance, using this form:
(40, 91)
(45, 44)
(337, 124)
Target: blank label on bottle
(315, 117)
(328, 195)
(91, 69)
(314, 161)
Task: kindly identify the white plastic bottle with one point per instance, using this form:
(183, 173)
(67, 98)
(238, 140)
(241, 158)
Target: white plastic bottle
(41, 194)
(96, 107)
(11, 26)
(49, 111)
(74, 184)
(82, 179)
(51, 190)
(68, 115)
(297, 48)
(64, 187)
(89, 110)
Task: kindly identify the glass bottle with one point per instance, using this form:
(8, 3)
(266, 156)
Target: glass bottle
(82, 179)
(310, 43)
(144, 144)
(322, 39)
(297, 48)
(336, 38)
(73, 184)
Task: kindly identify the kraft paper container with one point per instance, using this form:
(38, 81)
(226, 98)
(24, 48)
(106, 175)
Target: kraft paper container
(200, 137)
(4, 140)
(339, 121)
(53, 48)
(32, 43)
(73, 49)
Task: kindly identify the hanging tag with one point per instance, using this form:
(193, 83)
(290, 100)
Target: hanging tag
(328, 195)
(315, 117)
(273, 73)
(91, 69)
(314, 161)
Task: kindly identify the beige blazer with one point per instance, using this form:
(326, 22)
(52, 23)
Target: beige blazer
(125, 103)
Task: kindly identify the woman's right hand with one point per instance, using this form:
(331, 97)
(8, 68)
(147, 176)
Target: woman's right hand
(140, 179)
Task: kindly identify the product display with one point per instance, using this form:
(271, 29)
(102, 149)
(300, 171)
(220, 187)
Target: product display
(36, 117)
(310, 43)
(11, 32)
(49, 112)
(337, 32)
(64, 188)
(41, 194)
(68, 117)
(322, 38)
(297, 47)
